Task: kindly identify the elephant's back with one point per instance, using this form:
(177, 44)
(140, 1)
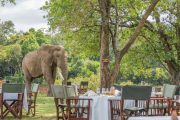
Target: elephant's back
(30, 57)
(32, 63)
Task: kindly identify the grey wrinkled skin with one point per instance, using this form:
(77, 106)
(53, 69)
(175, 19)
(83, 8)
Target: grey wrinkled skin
(44, 62)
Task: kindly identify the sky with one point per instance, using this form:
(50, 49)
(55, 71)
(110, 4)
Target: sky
(25, 14)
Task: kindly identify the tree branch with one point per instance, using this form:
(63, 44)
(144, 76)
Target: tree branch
(138, 28)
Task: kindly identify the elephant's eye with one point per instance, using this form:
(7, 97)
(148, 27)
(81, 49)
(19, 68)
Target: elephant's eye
(58, 49)
(57, 55)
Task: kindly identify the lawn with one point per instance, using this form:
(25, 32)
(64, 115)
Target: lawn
(45, 109)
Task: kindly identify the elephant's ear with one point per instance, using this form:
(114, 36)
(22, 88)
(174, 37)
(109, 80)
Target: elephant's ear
(45, 51)
(45, 48)
(58, 50)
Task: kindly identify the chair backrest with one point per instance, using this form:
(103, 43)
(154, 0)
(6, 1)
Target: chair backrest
(136, 92)
(177, 90)
(158, 88)
(34, 87)
(118, 87)
(84, 84)
(169, 90)
(13, 88)
(58, 91)
(68, 83)
(70, 90)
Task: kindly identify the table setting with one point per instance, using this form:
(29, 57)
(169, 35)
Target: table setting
(100, 102)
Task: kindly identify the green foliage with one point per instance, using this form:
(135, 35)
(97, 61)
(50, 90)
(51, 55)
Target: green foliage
(82, 67)
(128, 82)
(3, 2)
(81, 35)
(17, 78)
(30, 44)
(6, 29)
(41, 38)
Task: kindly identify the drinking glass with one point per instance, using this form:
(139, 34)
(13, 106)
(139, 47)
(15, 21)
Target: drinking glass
(98, 91)
(103, 90)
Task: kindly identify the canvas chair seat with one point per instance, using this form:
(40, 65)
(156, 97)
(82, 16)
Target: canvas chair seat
(135, 109)
(163, 105)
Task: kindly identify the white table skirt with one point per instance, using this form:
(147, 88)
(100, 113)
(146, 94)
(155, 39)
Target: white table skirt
(100, 108)
(152, 118)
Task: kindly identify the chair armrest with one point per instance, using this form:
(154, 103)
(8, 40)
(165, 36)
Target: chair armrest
(160, 98)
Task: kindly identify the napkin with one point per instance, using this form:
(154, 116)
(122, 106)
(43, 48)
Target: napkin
(90, 93)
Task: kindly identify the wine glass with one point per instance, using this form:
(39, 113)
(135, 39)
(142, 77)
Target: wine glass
(98, 91)
(103, 90)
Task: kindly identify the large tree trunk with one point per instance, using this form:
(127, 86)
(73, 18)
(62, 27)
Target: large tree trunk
(174, 72)
(119, 54)
(104, 42)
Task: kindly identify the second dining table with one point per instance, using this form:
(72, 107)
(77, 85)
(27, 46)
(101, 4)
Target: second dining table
(100, 107)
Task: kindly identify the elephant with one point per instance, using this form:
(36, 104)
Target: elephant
(44, 62)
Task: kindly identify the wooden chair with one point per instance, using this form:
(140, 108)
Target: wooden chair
(70, 91)
(115, 109)
(176, 101)
(140, 95)
(162, 105)
(12, 105)
(83, 87)
(60, 95)
(78, 108)
(32, 96)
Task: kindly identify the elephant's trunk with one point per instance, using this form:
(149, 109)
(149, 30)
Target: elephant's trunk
(64, 69)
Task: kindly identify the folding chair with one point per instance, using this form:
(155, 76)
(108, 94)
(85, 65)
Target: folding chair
(32, 95)
(12, 105)
(115, 109)
(77, 108)
(60, 95)
(140, 95)
(162, 105)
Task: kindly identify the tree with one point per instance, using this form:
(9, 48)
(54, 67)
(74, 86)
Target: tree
(3, 2)
(119, 53)
(166, 29)
(6, 29)
(92, 15)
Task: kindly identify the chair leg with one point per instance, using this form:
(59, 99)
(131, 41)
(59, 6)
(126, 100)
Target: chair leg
(34, 110)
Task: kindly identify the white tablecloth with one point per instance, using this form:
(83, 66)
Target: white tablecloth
(152, 118)
(100, 108)
(15, 96)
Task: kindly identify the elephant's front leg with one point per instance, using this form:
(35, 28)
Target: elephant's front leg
(49, 78)
(28, 79)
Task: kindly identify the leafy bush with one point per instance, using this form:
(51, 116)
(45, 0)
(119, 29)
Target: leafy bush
(17, 78)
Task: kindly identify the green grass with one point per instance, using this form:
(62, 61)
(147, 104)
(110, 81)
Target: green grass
(45, 110)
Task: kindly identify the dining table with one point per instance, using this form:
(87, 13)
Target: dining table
(100, 107)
